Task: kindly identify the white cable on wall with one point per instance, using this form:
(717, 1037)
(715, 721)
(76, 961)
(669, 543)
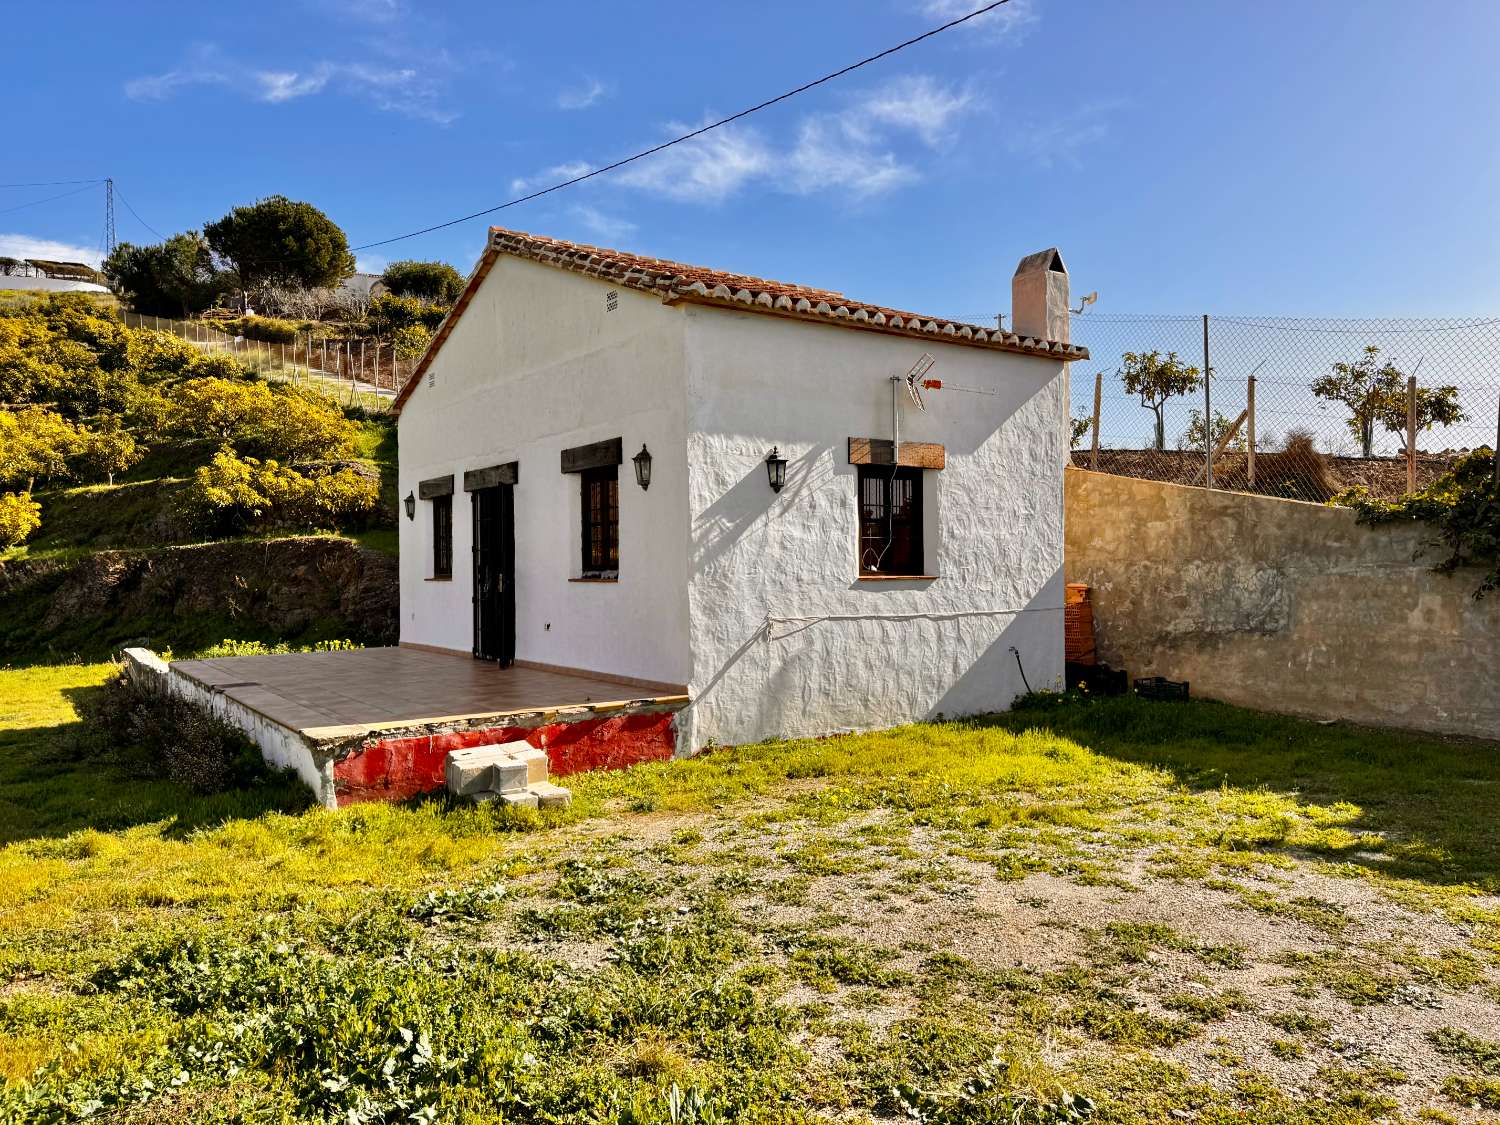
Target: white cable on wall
(931, 615)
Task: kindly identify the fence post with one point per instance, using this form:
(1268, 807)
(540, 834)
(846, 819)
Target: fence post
(1496, 450)
(1208, 412)
(1411, 433)
(1250, 433)
(1098, 394)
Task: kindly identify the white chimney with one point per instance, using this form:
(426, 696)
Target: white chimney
(1039, 296)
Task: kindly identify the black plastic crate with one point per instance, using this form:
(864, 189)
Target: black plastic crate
(1156, 687)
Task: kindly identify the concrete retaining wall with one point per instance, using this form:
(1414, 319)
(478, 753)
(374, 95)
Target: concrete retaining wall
(1283, 606)
(282, 748)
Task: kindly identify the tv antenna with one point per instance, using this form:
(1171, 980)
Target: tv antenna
(1086, 302)
(914, 380)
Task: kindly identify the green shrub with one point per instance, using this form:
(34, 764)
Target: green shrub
(258, 420)
(228, 647)
(429, 281)
(157, 355)
(1462, 505)
(37, 444)
(411, 341)
(216, 365)
(19, 517)
(267, 329)
(232, 494)
(390, 312)
(156, 734)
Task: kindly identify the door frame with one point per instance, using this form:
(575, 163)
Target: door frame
(494, 573)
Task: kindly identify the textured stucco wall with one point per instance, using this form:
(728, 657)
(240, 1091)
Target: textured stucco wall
(1282, 605)
(880, 653)
(538, 364)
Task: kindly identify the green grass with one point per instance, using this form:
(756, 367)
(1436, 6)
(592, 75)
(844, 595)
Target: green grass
(255, 959)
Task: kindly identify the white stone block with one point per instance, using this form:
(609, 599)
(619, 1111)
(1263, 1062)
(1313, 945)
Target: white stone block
(508, 776)
(551, 796)
(536, 764)
(466, 772)
(520, 799)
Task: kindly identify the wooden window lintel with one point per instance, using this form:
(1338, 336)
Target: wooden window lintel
(595, 455)
(508, 473)
(914, 454)
(437, 486)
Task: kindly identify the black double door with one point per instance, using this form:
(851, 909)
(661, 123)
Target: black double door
(494, 574)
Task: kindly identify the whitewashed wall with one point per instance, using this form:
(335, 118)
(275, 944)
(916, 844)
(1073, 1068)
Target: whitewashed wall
(994, 532)
(535, 365)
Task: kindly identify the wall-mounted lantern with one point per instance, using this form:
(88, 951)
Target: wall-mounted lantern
(411, 505)
(776, 469)
(642, 461)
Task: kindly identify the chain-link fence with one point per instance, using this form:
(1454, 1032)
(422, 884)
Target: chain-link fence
(1294, 407)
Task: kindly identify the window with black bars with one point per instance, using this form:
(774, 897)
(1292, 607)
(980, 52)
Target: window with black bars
(601, 522)
(890, 521)
(442, 536)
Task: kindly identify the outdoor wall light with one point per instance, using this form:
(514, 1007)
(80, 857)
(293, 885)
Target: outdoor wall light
(642, 462)
(411, 505)
(776, 469)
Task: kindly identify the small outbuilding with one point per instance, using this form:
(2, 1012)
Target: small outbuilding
(802, 512)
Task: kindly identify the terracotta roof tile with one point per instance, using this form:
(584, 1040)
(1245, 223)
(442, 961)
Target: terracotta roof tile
(681, 282)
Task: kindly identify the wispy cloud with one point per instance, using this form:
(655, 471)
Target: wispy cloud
(555, 174)
(585, 94)
(1008, 23)
(26, 246)
(830, 154)
(601, 225)
(371, 263)
(856, 150)
(397, 89)
(918, 103)
(707, 169)
(1062, 139)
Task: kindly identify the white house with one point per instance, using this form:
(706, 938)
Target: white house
(863, 592)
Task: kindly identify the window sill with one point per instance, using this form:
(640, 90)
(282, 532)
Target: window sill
(606, 581)
(439, 578)
(899, 577)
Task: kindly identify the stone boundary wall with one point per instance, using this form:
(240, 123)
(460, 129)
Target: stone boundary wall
(1283, 606)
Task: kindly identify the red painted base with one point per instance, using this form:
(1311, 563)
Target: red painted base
(394, 769)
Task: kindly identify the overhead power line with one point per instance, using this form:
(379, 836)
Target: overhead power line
(161, 237)
(49, 199)
(695, 133)
(54, 183)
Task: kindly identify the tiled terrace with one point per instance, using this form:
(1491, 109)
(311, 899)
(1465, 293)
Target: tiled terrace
(309, 692)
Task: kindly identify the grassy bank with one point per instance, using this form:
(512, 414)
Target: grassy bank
(1109, 911)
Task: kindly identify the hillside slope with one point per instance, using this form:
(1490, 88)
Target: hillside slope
(179, 498)
(297, 590)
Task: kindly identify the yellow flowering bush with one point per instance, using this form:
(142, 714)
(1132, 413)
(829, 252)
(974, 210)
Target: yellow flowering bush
(20, 515)
(234, 493)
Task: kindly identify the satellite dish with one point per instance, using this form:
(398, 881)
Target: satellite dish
(914, 379)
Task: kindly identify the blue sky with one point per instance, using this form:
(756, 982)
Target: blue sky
(1296, 158)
